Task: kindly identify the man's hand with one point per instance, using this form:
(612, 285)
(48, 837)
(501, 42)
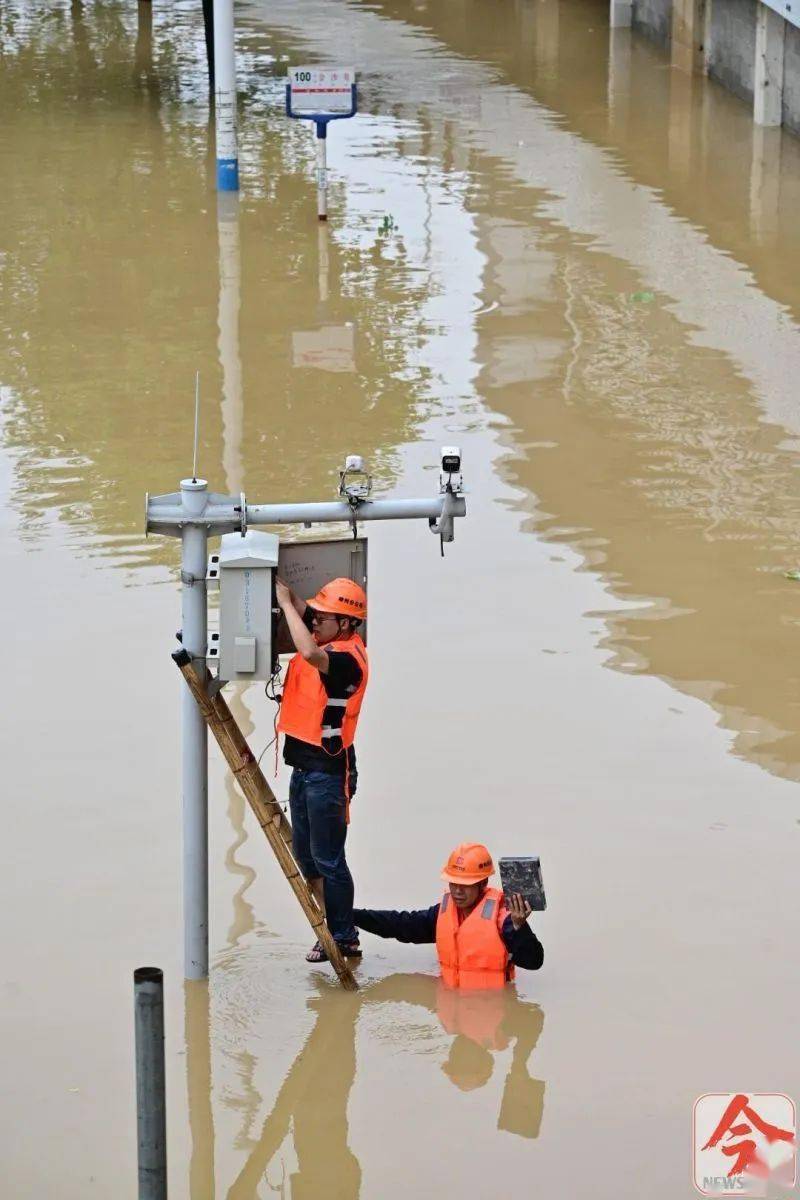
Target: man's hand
(518, 909)
(283, 594)
(302, 637)
(287, 598)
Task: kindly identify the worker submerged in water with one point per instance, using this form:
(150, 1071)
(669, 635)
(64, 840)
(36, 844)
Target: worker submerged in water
(480, 934)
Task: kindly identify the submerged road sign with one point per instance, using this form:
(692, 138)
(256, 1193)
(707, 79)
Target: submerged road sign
(317, 90)
(321, 94)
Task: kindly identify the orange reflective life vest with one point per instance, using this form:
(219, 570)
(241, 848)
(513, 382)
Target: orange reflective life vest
(472, 954)
(477, 1015)
(304, 703)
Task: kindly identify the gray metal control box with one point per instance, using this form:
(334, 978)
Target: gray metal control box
(242, 648)
(308, 565)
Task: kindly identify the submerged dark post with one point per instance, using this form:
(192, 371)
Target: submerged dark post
(151, 1109)
(208, 28)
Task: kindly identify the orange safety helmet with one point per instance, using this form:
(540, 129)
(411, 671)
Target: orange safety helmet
(469, 863)
(342, 597)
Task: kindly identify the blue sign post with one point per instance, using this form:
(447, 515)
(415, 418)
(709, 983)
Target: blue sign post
(321, 95)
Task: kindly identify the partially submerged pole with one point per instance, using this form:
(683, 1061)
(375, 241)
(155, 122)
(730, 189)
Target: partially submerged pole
(197, 1035)
(261, 799)
(225, 97)
(322, 170)
(194, 734)
(230, 286)
(151, 1109)
(620, 14)
(208, 30)
(321, 95)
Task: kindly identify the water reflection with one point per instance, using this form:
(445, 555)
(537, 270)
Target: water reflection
(765, 184)
(197, 1025)
(656, 367)
(484, 1024)
(230, 286)
(145, 73)
(683, 88)
(564, 56)
(312, 1103)
(328, 347)
(313, 1099)
(243, 918)
(546, 36)
(80, 39)
(232, 416)
(324, 263)
(619, 80)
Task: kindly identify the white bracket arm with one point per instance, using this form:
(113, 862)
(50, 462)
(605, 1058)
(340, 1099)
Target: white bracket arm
(167, 515)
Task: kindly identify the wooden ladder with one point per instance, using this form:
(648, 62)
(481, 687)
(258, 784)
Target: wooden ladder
(268, 812)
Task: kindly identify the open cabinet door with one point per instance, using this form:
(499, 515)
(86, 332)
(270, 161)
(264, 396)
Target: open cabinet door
(306, 566)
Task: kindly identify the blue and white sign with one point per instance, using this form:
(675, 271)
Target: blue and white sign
(318, 90)
(321, 95)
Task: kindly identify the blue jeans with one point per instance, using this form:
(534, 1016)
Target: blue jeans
(319, 829)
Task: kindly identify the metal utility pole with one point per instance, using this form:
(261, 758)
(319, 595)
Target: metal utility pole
(194, 734)
(194, 514)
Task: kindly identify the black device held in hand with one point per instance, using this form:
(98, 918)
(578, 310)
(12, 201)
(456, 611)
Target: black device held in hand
(524, 875)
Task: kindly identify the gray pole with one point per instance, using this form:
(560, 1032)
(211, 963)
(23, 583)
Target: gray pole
(194, 552)
(151, 1109)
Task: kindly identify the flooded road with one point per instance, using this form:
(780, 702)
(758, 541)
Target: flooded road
(579, 264)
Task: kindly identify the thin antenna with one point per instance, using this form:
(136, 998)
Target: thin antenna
(196, 423)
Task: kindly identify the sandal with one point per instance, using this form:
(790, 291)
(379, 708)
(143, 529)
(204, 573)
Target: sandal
(317, 954)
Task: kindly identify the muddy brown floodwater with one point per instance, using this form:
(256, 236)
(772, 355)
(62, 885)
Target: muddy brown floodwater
(582, 266)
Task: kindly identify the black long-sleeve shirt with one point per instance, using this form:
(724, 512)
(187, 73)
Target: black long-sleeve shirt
(419, 926)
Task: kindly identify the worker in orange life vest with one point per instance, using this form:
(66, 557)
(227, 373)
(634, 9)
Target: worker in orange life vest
(322, 697)
(480, 934)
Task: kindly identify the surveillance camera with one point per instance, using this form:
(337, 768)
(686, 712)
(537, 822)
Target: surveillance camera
(451, 460)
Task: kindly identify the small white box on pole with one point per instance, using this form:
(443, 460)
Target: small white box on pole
(244, 645)
(244, 655)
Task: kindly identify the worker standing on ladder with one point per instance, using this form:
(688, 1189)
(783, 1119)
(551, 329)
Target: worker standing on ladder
(322, 698)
